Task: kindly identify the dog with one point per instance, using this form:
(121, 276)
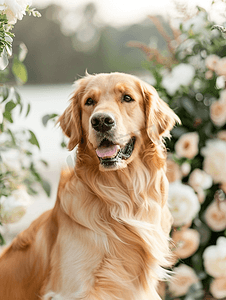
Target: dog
(107, 236)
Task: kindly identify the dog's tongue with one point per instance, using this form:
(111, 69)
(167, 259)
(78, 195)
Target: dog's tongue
(107, 152)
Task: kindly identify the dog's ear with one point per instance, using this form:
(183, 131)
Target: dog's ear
(70, 120)
(160, 118)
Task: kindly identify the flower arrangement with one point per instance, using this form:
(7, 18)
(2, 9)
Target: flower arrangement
(18, 171)
(191, 79)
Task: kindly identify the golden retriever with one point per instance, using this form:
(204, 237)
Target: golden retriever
(107, 236)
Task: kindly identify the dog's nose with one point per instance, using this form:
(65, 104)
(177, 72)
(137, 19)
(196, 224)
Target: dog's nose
(102, 122)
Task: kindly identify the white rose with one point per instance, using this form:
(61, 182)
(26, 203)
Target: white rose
(14, 9)
(183, 203)
(211, 61)
(13, 208)
(215, 160)
(182, 279)
(182, 74)
(220, 68)
(199, 179)
(187, 145)
(215, 216)
(215, 258)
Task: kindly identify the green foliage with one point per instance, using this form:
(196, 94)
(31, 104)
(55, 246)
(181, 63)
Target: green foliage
(46, 118)
(18, 169)
(5, 34)
(19, 70)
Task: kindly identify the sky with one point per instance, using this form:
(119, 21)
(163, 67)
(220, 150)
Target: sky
(125, 12)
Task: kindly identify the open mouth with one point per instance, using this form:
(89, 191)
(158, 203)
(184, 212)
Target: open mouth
(110, 154)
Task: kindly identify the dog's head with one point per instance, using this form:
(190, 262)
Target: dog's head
(111, 114)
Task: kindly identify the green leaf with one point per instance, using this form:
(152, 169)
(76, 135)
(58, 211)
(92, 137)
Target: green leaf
(18, 98)
(46, 118)
(12, 137)
(44, 162)
(19, 70)
(7, 115)
(63, 144)
(4, 93)
(188, 105)
(2, 241)
(10, 106)
(33, 140)
(46, 186)
(28, 109)
(35, 172)
(21, 107)
(178, 131)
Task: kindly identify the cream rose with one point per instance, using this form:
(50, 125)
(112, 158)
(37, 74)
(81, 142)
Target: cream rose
(215, 216)
(209, 74)
(215, 258)
(223, 186)
(211, 61)
(201, 195)
(218, 287)
(14, 9)
(215, 160)
(218, 112)
(223, 95)
(199, 179)
(173, 172)
(13, 208)
(183, 203)
(220, 67)
(182, 280)
(187, 145)
(222, 135)
(186, 242)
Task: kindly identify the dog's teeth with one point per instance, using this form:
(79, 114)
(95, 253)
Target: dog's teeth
(107, 152)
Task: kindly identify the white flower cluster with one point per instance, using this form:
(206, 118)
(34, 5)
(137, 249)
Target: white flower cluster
(14, 9)
(216, 64)
(218, 108)
(214, 171)
(182, 74)
(215, 265)
(13, 208)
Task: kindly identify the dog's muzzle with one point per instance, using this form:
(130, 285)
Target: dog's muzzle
(109, 152)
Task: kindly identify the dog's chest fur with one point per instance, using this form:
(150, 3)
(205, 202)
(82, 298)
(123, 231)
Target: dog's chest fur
(106, 264)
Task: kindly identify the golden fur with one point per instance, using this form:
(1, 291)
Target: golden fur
(107, 236)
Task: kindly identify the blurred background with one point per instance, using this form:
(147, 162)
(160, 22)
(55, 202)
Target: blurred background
(76, 36)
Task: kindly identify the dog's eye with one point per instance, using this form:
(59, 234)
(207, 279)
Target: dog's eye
(89, 102)
(127, 98)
